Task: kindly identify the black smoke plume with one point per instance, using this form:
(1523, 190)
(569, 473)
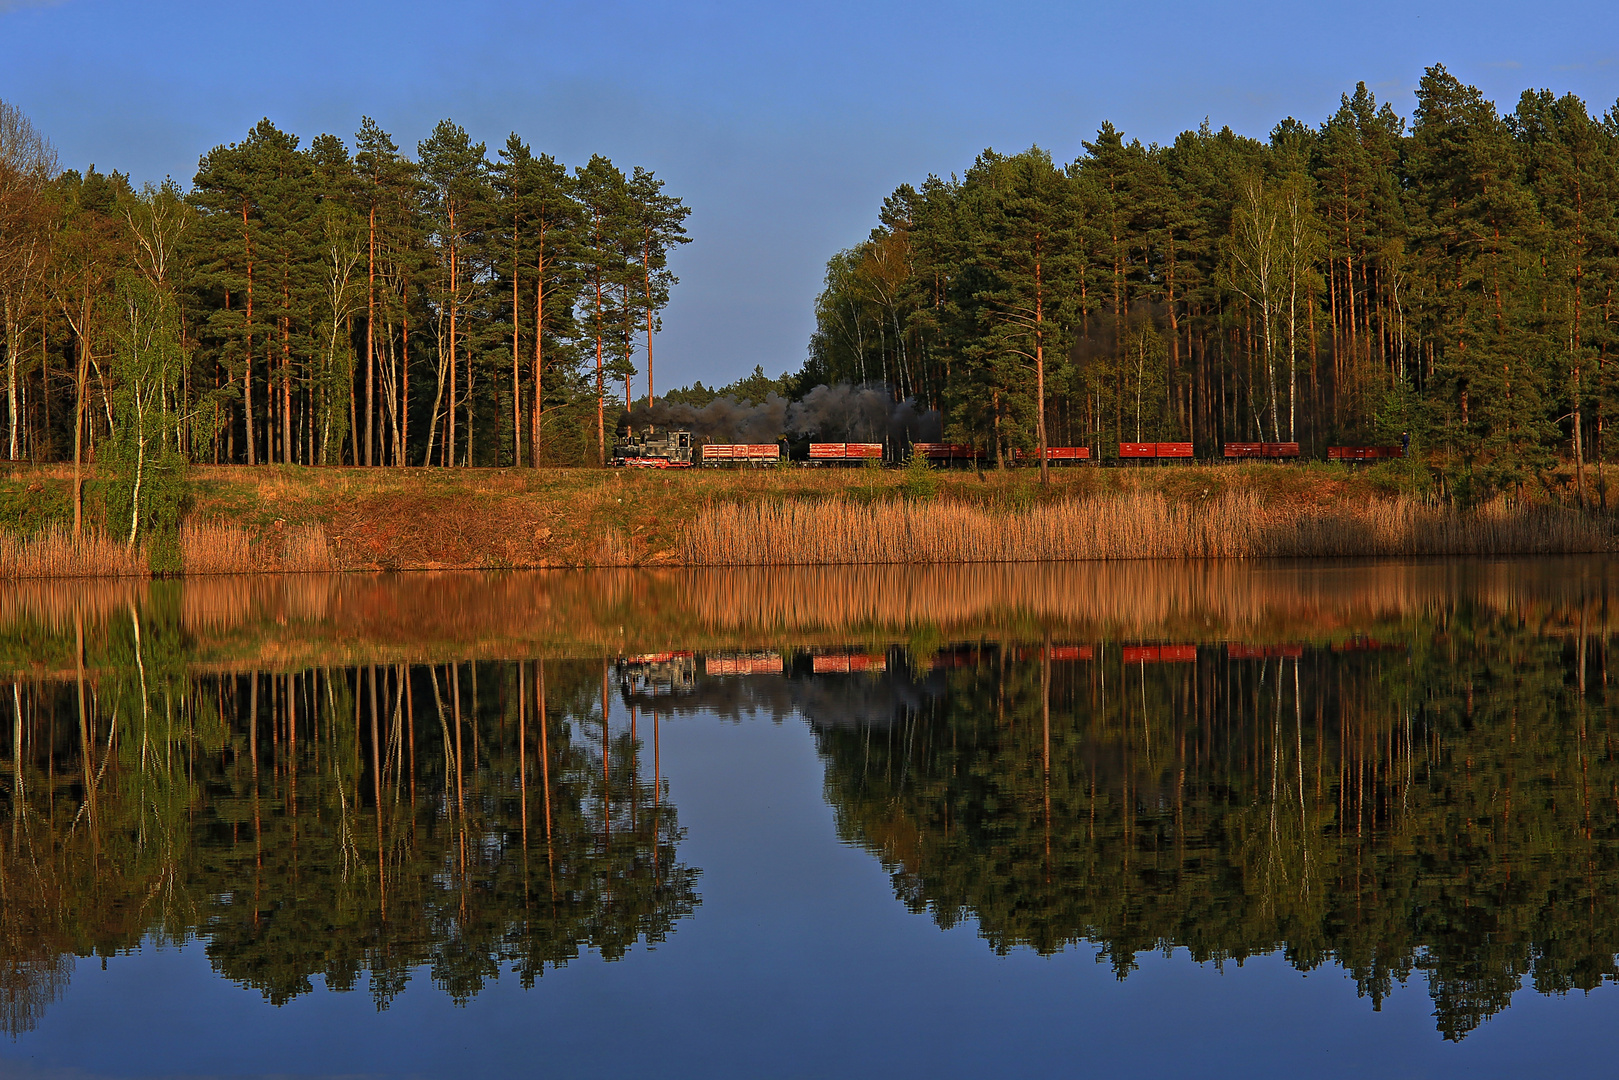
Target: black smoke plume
(842, 413)
(723, 420)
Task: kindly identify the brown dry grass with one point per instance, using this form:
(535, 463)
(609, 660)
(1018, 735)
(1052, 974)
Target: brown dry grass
(217, 548)
(289, 519)
(56, 553)
(1140, 525)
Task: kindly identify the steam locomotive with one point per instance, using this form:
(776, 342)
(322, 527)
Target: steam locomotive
(649, 450)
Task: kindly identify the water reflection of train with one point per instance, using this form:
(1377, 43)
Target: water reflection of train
(875, 685)
(658, 674)
(654, 448)
(831, 686)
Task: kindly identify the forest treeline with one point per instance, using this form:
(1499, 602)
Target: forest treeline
(1343, 283)
(335, 303)
(346, 302)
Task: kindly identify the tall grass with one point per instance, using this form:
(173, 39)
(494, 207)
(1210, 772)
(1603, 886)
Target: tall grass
(1139, 525)
(217, 548)
(837, 531)
(205, 548)
(57, 553)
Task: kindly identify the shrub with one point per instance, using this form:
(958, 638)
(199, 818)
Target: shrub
(918, 484)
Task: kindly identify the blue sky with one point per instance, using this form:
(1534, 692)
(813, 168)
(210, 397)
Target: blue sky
(781, 125)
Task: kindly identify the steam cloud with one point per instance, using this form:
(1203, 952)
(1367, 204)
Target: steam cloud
(842, 413)
(723, 420)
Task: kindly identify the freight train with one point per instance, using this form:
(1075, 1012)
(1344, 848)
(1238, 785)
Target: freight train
(681, 450)
(651, 449)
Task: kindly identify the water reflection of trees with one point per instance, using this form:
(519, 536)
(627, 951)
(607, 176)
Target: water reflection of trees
(331, 824)
(342, 620)
(1450, 810)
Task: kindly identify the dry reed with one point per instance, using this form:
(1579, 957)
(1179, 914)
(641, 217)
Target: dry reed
(57, 553)
(215, 548)
(211, 548)
(1142, 525)
(304, 550)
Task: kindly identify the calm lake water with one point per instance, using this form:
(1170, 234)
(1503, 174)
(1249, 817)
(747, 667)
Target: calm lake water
(1130, 820)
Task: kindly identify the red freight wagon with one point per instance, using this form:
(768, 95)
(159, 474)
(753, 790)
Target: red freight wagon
(1236, 650)
(1262, 450)
(1055, 453)
(756, 453)
(837, 451)
(1155, 449)
(1154, 654)
(743, 665)
(657, 657)
(944, 451)
(847, 663)
(1057, 652)
(1362, 453)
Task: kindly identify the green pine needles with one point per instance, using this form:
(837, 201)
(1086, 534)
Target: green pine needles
(920, 483)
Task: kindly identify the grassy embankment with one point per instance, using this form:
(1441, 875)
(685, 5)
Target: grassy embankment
(281, 518)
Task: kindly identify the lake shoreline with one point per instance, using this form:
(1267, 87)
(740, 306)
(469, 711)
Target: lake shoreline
(291, 519)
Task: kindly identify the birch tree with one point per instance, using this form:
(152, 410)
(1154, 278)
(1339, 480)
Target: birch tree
(27, 165)
(145, 366)
(1258, 273)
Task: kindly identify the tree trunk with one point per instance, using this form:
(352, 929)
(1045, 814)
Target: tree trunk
(286, 377)
(449, 429)
(404, 378)
(537, 406)
(601, 385)
(1579, 443)
(1040, 371)
(646, 267)
(247, 354)
(81, 375)
(370, 335)
(11, 378)
(517, 364)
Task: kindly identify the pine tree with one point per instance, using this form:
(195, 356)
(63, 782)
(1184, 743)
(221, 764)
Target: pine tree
(1473, 210)
(387, 195)
(659, 219)
(456, 175)
(600, 189)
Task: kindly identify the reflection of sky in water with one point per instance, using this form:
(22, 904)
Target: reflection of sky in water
(801, 962)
